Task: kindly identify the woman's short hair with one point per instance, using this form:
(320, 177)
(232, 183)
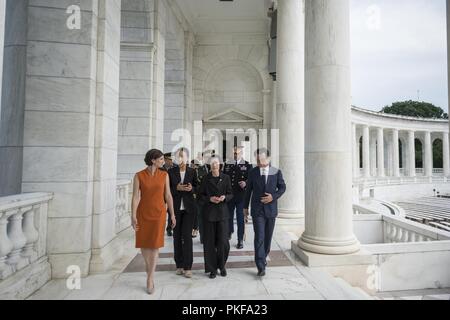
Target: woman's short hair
(153, 154)
(214, 158)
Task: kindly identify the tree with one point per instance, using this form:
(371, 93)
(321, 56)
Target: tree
(415, 109)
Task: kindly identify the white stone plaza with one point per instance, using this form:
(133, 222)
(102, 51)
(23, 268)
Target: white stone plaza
(89, 86)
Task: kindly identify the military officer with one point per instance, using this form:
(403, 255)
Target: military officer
(238, 170)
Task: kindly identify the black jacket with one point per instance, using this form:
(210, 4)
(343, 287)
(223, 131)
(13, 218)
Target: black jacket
(188, 197)
(211, 211)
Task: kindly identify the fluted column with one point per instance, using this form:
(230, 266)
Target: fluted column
(428, 155)
(290, 104)
(380, 152)
(446, 155)
(395, 154)
(366, 151)
(448, 66)
(328, 153)
(411, 155)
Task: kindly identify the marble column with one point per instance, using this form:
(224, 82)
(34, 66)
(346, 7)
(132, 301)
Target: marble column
(366, 151)
(355, 155)
(59, 135)
(13, 96)
(395, 154)
(136, 119)
(328, 150)
(446, 155)
(104, 249)
(380, 152)
(290, 104)
(274, 105)
(428, 165)
(373, 154)
(411, 154)
(448, 54)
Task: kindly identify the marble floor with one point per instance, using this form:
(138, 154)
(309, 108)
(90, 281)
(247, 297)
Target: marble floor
(286, 278)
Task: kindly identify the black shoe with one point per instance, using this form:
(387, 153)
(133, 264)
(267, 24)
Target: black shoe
(223, 272)
(212, 275)
(261, 273)
(240, 245)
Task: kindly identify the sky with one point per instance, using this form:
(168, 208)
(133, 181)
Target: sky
(399, 52)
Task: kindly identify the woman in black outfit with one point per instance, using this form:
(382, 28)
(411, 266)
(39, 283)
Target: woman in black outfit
(183, 183)
(215, 192)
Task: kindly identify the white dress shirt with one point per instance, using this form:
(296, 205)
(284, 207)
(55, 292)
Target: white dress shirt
(182, 174)
(264, 172)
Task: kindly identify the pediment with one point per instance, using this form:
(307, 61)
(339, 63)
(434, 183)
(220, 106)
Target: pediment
(234, 115)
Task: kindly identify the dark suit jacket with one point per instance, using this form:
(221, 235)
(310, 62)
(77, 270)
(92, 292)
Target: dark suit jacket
(188, 197)
(211, 211)
(256, 188)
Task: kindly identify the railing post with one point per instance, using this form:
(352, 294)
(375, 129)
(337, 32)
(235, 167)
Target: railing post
(31, 234)
(6, 246)
(18, 239)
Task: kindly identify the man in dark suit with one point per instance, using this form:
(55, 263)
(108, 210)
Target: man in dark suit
(168, 164)
(265, 186)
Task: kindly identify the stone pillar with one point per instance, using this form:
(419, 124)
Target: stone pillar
(446, 155)
(290, 104)
(448, 58)
(13, 96)
(328, 151)
(395, 154)
(366, 151)
(274, 105)
(136, 120)
(428, 167)
(380, 152)
(104, 249)
(59, 136)
(355, 154)
(411, 154)
(373, 155)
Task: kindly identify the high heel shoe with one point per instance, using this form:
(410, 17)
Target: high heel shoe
(151, 290)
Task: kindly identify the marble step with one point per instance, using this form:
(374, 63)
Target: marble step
(351, 293)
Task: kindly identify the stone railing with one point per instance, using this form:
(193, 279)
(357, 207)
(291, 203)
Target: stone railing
(398, 229)
(403, 230)
(437, 171)
(123, 205)
(23, 231)
(385, 181)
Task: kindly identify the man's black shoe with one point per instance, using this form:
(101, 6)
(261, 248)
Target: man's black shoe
(261, 273)
(212, 275)
(240, 245)
(223, 272)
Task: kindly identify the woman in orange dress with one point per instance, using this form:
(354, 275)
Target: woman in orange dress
(151, 193)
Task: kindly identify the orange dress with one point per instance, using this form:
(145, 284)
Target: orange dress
(151, 212)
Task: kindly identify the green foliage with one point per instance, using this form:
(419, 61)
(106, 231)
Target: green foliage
(416, 109)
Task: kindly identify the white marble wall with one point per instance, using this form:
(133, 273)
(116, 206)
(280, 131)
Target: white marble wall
(175, 79)
(159, 74)
(230, 71)
(60, 117)
(13, 97)
(136, 120)
(106, 135)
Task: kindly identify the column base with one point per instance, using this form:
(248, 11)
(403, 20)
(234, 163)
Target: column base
(329, 247)
(290, 214)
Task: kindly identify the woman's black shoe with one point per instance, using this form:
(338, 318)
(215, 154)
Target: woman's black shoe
(212, 275)
(223, 272)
